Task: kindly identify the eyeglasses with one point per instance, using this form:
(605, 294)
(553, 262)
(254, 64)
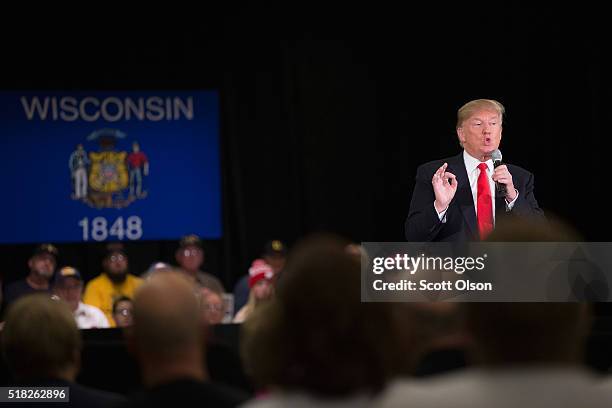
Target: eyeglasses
(216, 308)
(191, 252)
(124, 312)
(115, 258)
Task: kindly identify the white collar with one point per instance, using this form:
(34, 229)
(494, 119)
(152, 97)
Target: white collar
(471, 163)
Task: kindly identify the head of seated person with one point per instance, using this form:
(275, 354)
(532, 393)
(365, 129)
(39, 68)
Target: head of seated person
(316, 336)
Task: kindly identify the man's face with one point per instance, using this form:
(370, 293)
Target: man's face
(276, 262)
(42, 265)
(213, 307)
(190, 258)
(123, 314)
(481, 133)
(116, 264)
(70, 291)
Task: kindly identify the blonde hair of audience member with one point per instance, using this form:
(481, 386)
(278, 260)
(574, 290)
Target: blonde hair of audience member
(167, 334)
(316, 336)
(41, 339)
(259, 294)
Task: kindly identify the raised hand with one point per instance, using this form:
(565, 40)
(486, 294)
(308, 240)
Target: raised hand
(444, 186)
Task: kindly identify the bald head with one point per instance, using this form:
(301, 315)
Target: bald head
(167, 315)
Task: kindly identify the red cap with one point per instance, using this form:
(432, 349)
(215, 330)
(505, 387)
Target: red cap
(259, 270)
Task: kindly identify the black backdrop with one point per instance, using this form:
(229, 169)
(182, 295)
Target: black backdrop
(326, 113)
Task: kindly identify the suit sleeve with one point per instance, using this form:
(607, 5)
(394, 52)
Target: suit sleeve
(526, 205)
(422, 223)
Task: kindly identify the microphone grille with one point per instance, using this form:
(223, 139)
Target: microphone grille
(496, 155)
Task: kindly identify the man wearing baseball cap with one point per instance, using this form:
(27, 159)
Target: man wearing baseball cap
(190, 257)
(68, 287)
(42, 265)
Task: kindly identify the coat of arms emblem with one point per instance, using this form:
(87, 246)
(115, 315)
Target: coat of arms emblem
(108, 177)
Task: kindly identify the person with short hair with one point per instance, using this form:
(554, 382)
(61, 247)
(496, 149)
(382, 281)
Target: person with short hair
(42, 345)
(190, 257)
(167, 338)
(315, 344)
(461, 198)
(42, 266)
(213, 306)
(68, 287)
(114, 282)
(123, 311)
(522, 354)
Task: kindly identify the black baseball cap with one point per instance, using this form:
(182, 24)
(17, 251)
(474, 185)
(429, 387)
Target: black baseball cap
(190, 240)
(275, 247)
(46, 249)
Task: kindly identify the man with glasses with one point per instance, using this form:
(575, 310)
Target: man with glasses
(122, 311)
(190, 257)
(113, 283)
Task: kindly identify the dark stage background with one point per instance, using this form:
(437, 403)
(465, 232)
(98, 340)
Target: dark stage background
(327, 113)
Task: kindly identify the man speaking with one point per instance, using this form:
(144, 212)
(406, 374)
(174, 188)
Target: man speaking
(460, 198)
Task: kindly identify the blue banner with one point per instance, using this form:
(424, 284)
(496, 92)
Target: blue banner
(108, 166)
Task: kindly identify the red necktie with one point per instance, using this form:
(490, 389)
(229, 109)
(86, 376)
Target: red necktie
(484, 210)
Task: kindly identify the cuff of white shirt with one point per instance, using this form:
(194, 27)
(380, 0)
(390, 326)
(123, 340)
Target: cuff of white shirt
(441, 215)
(510, 204)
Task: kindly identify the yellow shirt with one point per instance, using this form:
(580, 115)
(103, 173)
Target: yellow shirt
(101, 292)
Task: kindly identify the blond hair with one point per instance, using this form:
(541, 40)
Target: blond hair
(476, 105)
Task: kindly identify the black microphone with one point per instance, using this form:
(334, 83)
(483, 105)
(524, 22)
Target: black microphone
(497, 161)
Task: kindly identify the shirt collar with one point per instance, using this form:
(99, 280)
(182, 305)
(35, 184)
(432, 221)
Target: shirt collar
(80, 310)
(472, 163)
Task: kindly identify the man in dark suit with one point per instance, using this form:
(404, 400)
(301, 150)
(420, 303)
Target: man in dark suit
(456, 199)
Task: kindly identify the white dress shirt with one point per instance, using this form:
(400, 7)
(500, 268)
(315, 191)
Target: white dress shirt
(90, 317)
(511, 387)
(471, 167)
(297, 399)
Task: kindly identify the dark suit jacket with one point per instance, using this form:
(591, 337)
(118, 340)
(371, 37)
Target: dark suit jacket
(423, 224)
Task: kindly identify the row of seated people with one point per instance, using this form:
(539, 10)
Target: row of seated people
(105, 301)
(315, 343)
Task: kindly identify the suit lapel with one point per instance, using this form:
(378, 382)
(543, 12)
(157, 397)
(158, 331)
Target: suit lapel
(463, 197)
